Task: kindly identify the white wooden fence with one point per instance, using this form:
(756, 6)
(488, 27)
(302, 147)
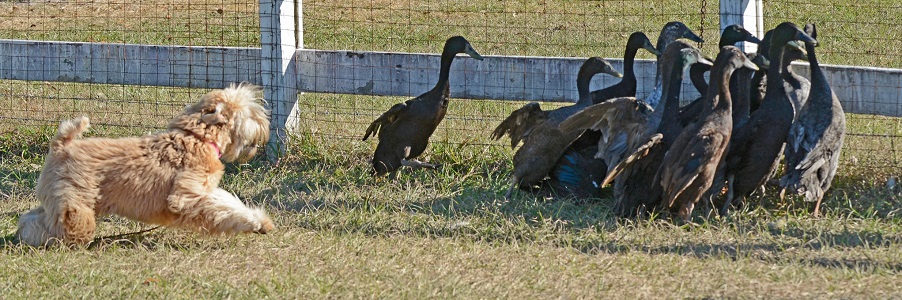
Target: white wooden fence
(284, 68)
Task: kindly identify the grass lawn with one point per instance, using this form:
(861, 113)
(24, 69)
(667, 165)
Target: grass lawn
(447, 233)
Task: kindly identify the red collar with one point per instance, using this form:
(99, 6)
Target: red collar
(212, 143)
(216, 147)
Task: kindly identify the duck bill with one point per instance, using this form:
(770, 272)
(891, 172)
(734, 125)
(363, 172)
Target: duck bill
(797, 45)
(704, 61)
(472, 53)
(749, 64)
(614, 73)
(752, 39)
(651, 48)
(805, 38)
(691, 36)
(761, 62)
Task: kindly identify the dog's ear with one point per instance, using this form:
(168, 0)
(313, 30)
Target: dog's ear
(215, 117)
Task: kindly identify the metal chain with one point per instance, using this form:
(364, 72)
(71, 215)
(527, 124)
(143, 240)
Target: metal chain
(701, 30)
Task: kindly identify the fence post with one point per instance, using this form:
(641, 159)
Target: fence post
(280, 37)
(747, 13)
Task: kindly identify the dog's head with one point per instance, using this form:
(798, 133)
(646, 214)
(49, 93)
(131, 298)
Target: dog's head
(233, 118)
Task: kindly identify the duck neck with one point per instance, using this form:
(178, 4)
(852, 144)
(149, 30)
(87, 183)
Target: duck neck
(774, 74)
(697, 76)
(447, 58)
(812, 58)
(719, 96)
(669, 106)
(740, 85)
(582, 87)
(629, 73)
(786, 66)
(816, 74)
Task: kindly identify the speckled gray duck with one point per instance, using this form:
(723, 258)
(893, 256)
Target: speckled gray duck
(755, 147)
(670, 33)
(691, 162)
(543, 142)
(815, 139)
(404, 129)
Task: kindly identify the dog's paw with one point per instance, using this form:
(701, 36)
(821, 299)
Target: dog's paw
(266, 224)
(265, 227)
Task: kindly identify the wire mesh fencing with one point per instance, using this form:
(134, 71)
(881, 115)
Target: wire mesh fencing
(129, 109)
(851, 33)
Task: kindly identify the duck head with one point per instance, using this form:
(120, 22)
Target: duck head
(759, 60)
(733, 58)
(690, 56)
(811, 31)
(785, 33)
(734, 34)
(795, 50)
(595, 65)
(640, 40)
(676, 30)
(590, 67)
(458, 44)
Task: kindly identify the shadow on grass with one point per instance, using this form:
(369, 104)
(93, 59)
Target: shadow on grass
(773, 253)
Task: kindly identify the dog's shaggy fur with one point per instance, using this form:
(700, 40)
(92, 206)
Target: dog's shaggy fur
(170, 178)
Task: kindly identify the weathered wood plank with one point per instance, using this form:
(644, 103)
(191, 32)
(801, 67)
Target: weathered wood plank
(150, 65)
(526, 78)
(863, 90)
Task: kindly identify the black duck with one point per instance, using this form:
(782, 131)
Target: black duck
(404, 129)
(543, 142)
(627, 85)
(815, 139)
(691, 162)
(796, 86)
(755, 148)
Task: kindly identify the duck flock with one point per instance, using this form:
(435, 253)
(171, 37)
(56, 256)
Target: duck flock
(659, 156)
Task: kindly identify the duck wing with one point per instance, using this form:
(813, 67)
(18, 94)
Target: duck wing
(607, 116)
(520, 123)
(388, 117)
(641, 151)
(687, 159)
(621, 121)
(740, 144)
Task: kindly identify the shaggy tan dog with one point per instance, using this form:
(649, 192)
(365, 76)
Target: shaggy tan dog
(170, 178)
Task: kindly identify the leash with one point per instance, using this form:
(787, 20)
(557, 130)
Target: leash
(121, 235)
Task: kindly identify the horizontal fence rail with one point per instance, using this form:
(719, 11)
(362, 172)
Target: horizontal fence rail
(131, 64)
(863, 90)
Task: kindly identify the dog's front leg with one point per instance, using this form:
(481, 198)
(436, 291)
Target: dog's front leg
(223, 212)
(187, 191)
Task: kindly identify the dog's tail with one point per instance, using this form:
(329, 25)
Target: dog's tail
(70, 130)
